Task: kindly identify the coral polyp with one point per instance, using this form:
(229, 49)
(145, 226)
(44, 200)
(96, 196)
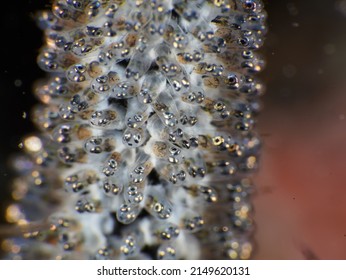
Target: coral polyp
(147, 140)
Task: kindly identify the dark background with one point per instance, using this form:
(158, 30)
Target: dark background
(19, 43)
(305, 53)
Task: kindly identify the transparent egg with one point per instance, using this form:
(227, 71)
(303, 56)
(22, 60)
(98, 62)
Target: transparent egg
(70, 154)
(107, 119)
(158, 206)
(134, 137)
(97, 145)
(129, 246)
(124, 90)
(111, 165)
(86, 204)
(167, 252)
(167, 231)
(48, 60)
(80, 180)
(77, 73)
(193, 222)
(127, 213)
(133, 194)
(111, 188)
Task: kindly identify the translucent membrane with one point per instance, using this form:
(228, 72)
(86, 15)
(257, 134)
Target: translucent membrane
(146, 135)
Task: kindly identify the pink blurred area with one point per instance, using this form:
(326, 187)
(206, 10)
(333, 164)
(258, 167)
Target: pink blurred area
(300, 204)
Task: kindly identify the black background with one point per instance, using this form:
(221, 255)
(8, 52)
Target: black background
(20, 41)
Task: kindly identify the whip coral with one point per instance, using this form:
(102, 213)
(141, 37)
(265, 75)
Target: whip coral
(146, 139)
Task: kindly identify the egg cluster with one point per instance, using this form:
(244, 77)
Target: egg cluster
(147, 140)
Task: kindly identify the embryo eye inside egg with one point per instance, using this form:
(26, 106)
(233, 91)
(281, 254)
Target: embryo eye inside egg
(146, 139)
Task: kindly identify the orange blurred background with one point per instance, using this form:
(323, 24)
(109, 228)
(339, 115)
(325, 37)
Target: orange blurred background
(300, 205)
